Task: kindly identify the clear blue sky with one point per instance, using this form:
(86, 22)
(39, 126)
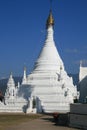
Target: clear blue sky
(22, 33)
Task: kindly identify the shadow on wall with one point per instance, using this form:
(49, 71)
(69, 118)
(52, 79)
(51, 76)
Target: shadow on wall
(82, 86)
(25, 108)
(25, 91)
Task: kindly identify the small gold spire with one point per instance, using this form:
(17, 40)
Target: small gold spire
(50, 20)
(11, 73)
(25, 68)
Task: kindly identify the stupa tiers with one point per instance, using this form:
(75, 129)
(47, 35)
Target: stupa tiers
(49, 81)
(48, 88)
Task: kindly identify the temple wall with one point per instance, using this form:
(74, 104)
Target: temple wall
(78, 116)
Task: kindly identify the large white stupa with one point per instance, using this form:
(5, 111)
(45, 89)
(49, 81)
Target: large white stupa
(49, 83)
(47, 88)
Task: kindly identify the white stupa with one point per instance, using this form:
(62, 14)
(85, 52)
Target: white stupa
(48, 88)
(49, 82)
(10, 91)
(13, 102)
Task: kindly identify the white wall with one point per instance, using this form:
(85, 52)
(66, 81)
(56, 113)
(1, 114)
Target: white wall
(82, 73)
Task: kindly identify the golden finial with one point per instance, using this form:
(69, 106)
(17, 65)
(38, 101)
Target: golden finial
(80, 63)
(50, 20)
(24, 68)
(11, 73)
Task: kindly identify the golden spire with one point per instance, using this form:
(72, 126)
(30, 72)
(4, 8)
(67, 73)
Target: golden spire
(25, 68)
(50, 20)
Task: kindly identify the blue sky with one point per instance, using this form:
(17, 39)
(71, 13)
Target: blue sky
(22, 33)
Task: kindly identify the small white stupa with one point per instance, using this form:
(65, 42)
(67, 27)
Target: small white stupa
(10, 91)
(12, 102)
